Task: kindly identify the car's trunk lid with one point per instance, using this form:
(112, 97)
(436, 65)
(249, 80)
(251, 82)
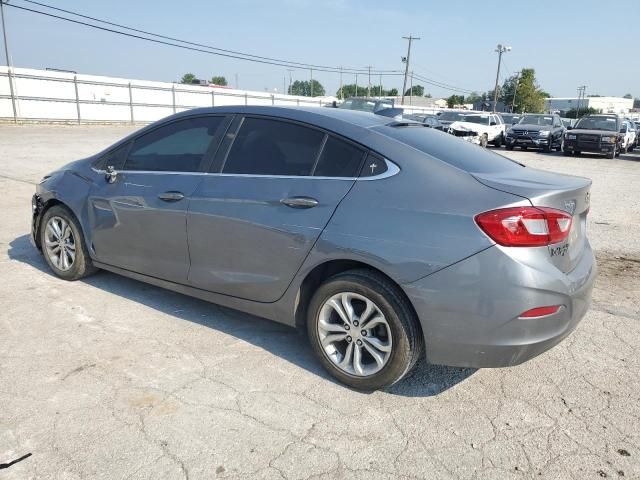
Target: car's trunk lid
(546, 189)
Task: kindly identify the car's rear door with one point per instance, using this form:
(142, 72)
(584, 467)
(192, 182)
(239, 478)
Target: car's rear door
(138, 217)
(272, 190)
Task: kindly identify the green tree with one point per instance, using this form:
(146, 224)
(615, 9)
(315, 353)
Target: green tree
(529, 97)
(188, 78)
(219, 80)
(415, 91)
(473, 97)
(303, 88)
(454, 100)
(636, 103)
(427, 95)
(349, 90)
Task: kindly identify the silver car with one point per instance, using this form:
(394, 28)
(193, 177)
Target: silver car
(385, 240)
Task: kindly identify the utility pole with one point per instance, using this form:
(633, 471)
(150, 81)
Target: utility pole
(237, 82)
(581, 96)
(369, 84)
(406, 66)
(341, 92)
(515, 90)
(356, 84)
(380, 87)
(311, 84)
(500, 49)
(9, 74)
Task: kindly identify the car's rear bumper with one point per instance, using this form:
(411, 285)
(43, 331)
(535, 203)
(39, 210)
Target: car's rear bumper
(470, 311)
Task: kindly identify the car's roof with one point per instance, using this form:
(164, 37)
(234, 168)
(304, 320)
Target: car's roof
(308, 114)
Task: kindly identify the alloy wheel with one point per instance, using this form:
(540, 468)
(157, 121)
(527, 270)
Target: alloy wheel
(354, 334)
(60, 243)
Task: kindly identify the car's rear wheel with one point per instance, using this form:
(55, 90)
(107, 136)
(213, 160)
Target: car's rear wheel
(363, 330)
(63, 244)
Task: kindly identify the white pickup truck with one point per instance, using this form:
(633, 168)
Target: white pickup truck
(480, 128)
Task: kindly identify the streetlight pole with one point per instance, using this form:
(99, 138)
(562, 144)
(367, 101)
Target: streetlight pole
(9, 74)
(500, 49)
(311, 84)
(406, 66)
(341, 92)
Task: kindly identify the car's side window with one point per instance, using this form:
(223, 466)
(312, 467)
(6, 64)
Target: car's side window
(177, 147)
(265, 146)
(339, 159)
(373, 165)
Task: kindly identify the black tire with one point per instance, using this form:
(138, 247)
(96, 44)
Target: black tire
(548, 148)
(566, 153)
(613, 154)
(523, 147)
(81, 265)
(406, 336)
(498, 141)
(509, 147)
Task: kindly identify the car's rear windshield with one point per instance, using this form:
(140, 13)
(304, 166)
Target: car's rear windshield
(450, 149)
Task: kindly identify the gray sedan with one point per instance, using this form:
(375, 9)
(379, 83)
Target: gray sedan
(385, 240)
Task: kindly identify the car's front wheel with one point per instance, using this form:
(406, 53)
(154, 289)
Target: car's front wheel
(363, 330)
(63, 244)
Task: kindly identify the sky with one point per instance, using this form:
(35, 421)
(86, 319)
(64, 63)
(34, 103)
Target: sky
(569, 43)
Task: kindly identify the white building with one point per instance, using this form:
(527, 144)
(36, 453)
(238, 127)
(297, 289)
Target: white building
(604, 104)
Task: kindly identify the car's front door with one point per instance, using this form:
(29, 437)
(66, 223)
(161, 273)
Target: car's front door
(138, 214)
(253, 221)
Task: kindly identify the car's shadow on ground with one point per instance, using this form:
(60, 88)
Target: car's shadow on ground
(424, 380)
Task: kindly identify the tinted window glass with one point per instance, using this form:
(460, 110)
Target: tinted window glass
(272, 147)
(373, 165)
(115, 158)
(450, 149)
(339, 159)
(177, 147)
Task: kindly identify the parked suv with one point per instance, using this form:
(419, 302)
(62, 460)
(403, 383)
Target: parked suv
(537, 131)
(480, 128)
(595, 134)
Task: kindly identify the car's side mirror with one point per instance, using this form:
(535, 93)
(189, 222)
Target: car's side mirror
(110, 174)
(569, 127)
(493, 124)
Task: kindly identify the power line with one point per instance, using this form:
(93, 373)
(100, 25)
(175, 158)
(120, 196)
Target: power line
(202, 48)
(215, 50)
(444, 86)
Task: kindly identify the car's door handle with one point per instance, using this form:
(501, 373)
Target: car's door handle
(299, 202)
(171, 196)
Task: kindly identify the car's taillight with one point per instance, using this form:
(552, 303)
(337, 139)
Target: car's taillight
(525, 226)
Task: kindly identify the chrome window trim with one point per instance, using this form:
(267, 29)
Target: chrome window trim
(392, 169)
